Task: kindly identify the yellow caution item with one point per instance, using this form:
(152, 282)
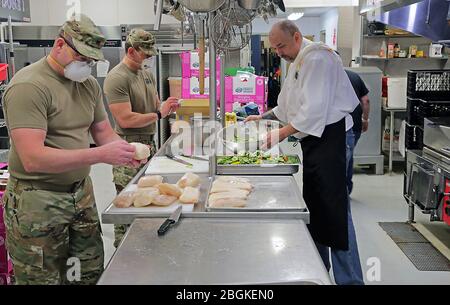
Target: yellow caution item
(230, 118)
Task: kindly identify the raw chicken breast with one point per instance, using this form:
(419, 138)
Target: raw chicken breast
(228, 203)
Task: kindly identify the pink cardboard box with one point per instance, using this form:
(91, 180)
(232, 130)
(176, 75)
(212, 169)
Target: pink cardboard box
(190, 65)
(245, 88)
(190, 88)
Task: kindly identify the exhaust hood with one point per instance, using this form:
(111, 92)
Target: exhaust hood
(428, 18)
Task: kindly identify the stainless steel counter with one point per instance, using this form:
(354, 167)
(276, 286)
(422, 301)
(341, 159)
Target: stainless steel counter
(113, 215)
(217, 247)
(218, 252)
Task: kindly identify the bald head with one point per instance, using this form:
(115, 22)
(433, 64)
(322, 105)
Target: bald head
(287, 27)
(286, 39)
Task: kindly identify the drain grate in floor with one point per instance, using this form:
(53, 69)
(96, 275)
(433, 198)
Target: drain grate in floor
(423, 255)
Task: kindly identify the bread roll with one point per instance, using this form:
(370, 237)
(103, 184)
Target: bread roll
(148, 189)
(169, 189)
(189, 179)
(228, 203)
(142, 151)
(220, 186)
(124, 200)
(163, 200)
(190, 195)
(149, 181)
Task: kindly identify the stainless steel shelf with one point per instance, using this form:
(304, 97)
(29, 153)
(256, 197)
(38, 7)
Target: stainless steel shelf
(393, 36)
(387, 109)
(404, 59)
(396, 156)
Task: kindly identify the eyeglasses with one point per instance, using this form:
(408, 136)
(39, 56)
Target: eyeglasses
(89, 61)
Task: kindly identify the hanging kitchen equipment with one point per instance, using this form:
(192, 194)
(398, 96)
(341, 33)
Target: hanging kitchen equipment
(249, 4)
(232, 28)
(202, 6)
(271, 9)
(201, 53)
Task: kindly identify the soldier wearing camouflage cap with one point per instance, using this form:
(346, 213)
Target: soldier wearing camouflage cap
(130, 89)
(50, 107)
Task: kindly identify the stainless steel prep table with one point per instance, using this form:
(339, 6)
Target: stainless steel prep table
(113, 215)
(217, 251)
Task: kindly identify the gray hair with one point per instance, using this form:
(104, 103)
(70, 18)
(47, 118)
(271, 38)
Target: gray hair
(288, 27)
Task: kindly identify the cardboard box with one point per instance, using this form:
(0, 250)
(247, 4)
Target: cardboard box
(396, 92)
(175, 86)
(245, 88)
(190, 65)
(191, 88)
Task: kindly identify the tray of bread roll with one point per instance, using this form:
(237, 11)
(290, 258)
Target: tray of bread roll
(255, 194)
(163, 194)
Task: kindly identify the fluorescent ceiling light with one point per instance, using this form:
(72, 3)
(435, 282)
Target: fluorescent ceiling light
(296, 16)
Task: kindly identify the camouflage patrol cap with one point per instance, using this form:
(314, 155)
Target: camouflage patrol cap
(86, 37)
(143, 40)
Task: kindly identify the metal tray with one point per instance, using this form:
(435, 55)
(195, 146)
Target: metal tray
(258, 169)
(113, 214)
(270, 194)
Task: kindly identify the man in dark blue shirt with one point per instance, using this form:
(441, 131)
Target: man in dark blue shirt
(360, 120)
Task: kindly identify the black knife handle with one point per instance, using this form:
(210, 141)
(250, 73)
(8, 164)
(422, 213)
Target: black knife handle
(165, 226)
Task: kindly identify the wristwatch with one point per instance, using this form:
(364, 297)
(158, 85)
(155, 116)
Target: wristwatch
(365, 120)
(159, 114)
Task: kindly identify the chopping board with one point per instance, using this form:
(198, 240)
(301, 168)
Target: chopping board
(163, 165)
(157, 209)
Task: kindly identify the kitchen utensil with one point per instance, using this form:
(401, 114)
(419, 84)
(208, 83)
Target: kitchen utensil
(202, 6)
(195, 158)
(169, 222)
(172, 157)
(249, 4)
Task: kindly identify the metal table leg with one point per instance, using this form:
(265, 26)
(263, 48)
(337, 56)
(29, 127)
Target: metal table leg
(391, 142)
(410, 212)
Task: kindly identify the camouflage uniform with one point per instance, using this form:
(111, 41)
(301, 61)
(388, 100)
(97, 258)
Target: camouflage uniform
(46, 228)
(117, 88)
(53, 227)
(122, 175)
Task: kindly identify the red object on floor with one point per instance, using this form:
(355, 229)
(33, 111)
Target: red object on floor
(446, 205)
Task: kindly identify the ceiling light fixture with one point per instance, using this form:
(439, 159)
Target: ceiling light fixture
(296, 16)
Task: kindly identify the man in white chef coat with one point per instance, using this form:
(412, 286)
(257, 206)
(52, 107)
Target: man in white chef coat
(315, 103)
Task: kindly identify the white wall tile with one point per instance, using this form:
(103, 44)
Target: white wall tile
(102, 12)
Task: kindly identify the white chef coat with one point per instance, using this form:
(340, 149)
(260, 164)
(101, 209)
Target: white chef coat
(317, 92)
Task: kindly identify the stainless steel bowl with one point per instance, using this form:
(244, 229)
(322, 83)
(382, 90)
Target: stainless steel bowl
(249, 4)
(202, 6)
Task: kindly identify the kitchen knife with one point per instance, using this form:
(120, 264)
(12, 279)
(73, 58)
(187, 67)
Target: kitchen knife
(195, 158)
(172, 157)
(173, 219)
